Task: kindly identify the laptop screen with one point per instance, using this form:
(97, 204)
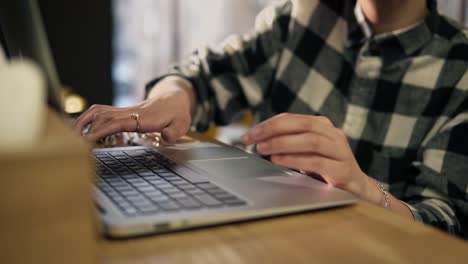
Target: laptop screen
(23, 35)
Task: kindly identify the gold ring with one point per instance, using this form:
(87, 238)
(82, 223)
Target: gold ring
(136, 116)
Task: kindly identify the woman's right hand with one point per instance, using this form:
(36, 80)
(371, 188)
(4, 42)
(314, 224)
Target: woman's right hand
(168, 110)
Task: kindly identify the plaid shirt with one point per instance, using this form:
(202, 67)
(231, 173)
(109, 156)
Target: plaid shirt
(401, 97)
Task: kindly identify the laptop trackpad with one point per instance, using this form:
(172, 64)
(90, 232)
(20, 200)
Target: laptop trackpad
(241, 167)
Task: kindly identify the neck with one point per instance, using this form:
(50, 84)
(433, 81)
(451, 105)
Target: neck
(389, 15)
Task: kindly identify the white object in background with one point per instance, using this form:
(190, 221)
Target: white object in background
(22, 103)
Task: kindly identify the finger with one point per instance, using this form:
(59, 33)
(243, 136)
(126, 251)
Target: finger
(288, 124)
(115, 125)
(311, 163)
(324, 120)
(301, 143)
(104, 117)
(173, 131)
(88, 116)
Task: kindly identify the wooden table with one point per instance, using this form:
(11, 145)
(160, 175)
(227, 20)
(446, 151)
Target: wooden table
(362, 233)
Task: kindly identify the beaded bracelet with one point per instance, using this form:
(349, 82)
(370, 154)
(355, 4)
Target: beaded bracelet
(385, 195)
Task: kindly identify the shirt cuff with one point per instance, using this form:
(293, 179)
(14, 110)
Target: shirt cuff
(416, 215)
(180, 79)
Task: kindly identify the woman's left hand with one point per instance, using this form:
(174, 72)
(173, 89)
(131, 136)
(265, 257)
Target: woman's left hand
(313, 145)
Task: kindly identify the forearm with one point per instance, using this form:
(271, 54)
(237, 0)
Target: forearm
(175, 83)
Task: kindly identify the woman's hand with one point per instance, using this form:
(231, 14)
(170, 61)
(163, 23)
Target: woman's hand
(313, 145)
(168, 110)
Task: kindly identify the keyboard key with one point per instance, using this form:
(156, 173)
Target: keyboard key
(137, 152)
(173, 178)
(195, 191)
(136, 198)
(152, 163)
(169, 206)
(208, 200)
(189, 203)
(123, 188)
(178, 195)
(146, 189)
(157, 182)
(224, 196)
(108, 175)
(149, 209)
(113, 153)
(130, 193)
(159, 199)
(164, 185)
(235, 202)
(115, 178)
(215, 191)
(160, 171)
(167, 174)
(206, 186)
(123, 203)
(130, 177)
(135, 180)
(179, 182)
(130, 211)
(123, 173)
(118, 198)
(111, 193)
(146, 173)
(185, 187)
(154, 193)
(142, 202)
(153, 177)
(171, 190)
(153, 166)
(101, 183)
(142, 184)
(107, 159)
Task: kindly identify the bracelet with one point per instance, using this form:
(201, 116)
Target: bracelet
(385, 194)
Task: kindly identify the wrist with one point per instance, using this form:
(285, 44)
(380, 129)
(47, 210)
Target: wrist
(178, 85)
(373, 193)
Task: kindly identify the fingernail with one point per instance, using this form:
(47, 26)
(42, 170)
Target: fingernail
(262, 147)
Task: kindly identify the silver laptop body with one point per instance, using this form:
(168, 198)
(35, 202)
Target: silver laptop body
(262, 188)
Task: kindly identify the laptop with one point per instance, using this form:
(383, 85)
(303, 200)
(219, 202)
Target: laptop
(150, 190)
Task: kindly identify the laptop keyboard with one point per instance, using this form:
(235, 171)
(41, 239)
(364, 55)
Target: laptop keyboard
(142, 182)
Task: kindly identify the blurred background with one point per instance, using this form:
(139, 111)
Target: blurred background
(107, 50)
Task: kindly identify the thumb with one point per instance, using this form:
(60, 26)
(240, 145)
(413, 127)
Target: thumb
(172, 132)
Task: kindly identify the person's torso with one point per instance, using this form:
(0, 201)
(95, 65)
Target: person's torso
(388, 97)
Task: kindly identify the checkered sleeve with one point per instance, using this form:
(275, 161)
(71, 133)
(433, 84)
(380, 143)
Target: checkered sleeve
(439, 194)
(236, 75)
